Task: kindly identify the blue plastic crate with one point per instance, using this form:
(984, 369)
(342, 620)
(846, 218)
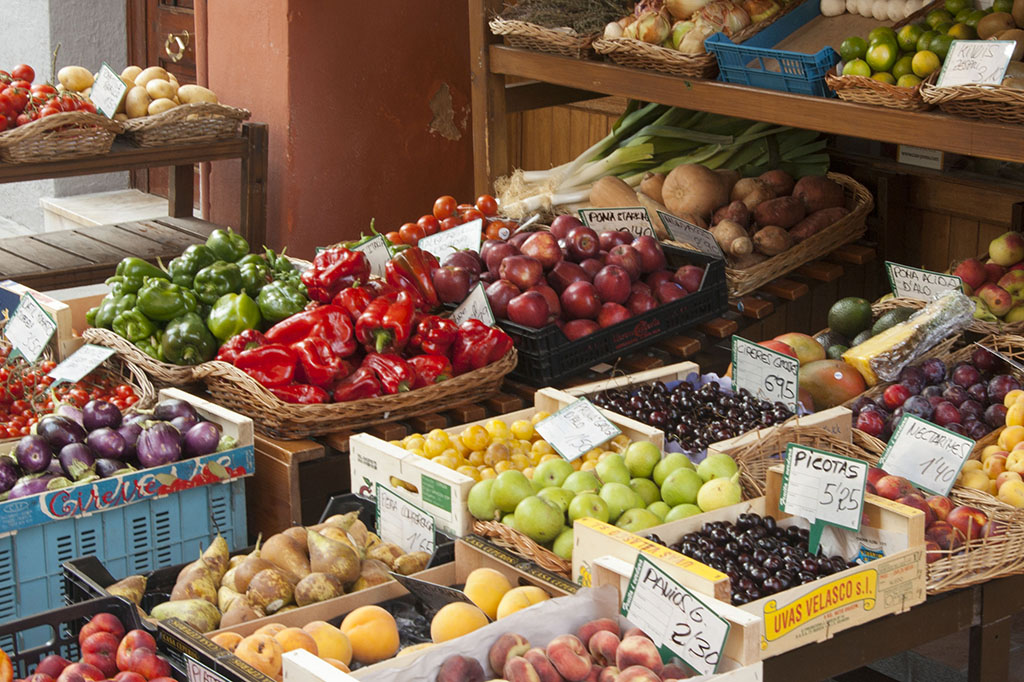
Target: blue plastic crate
(758, 64)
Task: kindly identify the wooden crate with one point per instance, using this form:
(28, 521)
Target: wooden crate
(275, 496)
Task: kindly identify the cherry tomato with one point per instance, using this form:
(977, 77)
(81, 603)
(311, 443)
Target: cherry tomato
(43, 89)
(20, 83)
(4, 76)
(46, 366)
(449, 223)
(119, 403)
(4, 123)
(123, 390)
(131, 400)
(4, 432)
(49, 110)
(17, 96)
(429, 224)
(497, 229)
(24, 430)
(24, 72)
(411, 233)
(444, 207)
(487, 205)
(394, 237)
(471, 214)
(87, 106)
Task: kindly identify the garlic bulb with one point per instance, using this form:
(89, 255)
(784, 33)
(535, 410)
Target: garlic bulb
(832, 8)
(613, 30)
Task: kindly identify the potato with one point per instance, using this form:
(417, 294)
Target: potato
(817, 192)
(772, 240)
(784, 212)
(121, 116)
(159, 88)
(159, 106)
(136, 102)
(816, 222)
(736, 211)
(130, 73)
(192, 94)
(780, 181)
(149, 74)
(751, 191)
(75, 78)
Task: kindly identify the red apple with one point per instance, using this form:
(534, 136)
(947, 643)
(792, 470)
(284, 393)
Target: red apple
(452, 284)
(689, 277)
(52, 665)
(612, 284)
(561, 225)
(577, 329)
(135, 639)
(591, 266)
(564, 274)
(149, 664)
(544, 247)
(613, 238)
(993, 272)
(612, 313)
(657, 277)
(970, 521)
(522, 271)
(626, 257)
(582, 243)
(100, 649)
(101, 622)
(499, 294)
(519, 238)
(669, 291)
(580, 299)
(972, 272)
(80, 672)
(497, 254)
(550, 296)
(529, 309)
(641, 302)
(652, 258)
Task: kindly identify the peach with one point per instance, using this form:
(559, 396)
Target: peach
(505, 647)
(570, 658)
(595, 674)
(874, 473)
(134, 639)
(100, 649)
(518, 669)
(1012, 493)
(123, 676)
(971, 465)
(262, 652)
(148, 664)
(1007, 476)
(635, 650)
(270, 629)
(968, 520)
(992, 529)
(545, 669)
(990, 450)
(330, 641)
(340, 665)
(978, 480)
(297, 638)
(519, 598)
(894, 487)
(53, 664)
(587, 630)
(944, 535)
(1014, 461)
(372, 632)
(917, 502)
(994, 465)
(456, 619)
(941, 506)
(603, 645)
(80, 672)
(485, 587)
(638, 673)
(459, 668)
(228, 640)
(609, 674)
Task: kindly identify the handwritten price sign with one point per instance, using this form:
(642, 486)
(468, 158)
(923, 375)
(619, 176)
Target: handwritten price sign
(634, 220)
(975, 62)
(927, 455)
(30, 328)
(824, 488)
(922, 285)
(767, 374)
(80, 363)
(402, 523)
(475, 306)
(688, 233)
(460, 237)
(577, 428)
(377, 253)
(108, 91)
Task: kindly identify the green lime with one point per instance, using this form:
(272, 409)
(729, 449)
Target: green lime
(908, 36)
(903, 66)
(940, 46)
(852, 48)
(944, 28)
(925, 62)
(850, 316)
(962, 15)
(974, 17)
(925, 41)
(1002, 6)
(883, 77)
(881, 56)
(938, 16)
(908, 81)
(962, 32)
(882, 33)
(857, 67)
(954, 6)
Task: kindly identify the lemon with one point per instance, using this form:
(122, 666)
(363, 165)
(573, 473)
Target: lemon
(940, 46)
(852, 48)
(938, 16)
(884, 77)
(857, 67)
(908, 81)
(881, 56)
(962, 32)
(954, 6)
(925, 41)
(903, 66)
(880, 34)
(908, 37)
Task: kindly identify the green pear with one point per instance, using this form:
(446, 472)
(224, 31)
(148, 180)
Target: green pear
(672, 461)
(539, 519)
(681, 487)
(588, 505)
(510, 488)
(559, 496)
(718, 493)
(582, 482)
(681, 511)
(552, 473)
(641, 457)
(717, 465)
(646, 489)
(509, 520)
(563, 544)
(636, 520)
(619, 497)
(479, 500)
(659, 509)
(612, 469)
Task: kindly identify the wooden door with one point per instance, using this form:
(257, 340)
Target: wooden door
(158, 31)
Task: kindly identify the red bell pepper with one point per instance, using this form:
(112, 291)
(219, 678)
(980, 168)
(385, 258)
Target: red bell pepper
(412, 270)
(318, 364)
(302, 394)
(295, 328)
(435, 335)
(430, 369)
(394, 373)
(250, 338)
(333, 270)
(354, 300)
(337, 329)
(378, 287)
(360, 384)
(478, 345)
(386, 326)
(272, 365)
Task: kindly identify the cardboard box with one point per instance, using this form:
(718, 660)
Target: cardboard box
(63, 343)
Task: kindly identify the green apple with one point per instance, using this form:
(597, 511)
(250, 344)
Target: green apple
(563, 544)
(681, 487)
(560, 496)
(635, 520)
(619, 498)
(539, 519)
(612, 469)
(681, 511)
(588, 504)
(641, 456)
(552, 472)
(479, 500)
(509, 520)
(659, 509)
(645, 488)
(510, 488)
(717, 465)
(719, 492)
(672, 461)
(582, 482)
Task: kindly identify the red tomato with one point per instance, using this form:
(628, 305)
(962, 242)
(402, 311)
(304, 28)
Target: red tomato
(87, 106)
(24, 72)
(44, 89)
(487, 205)
(449, 223)
(497, 229)
(3, 123)
(429, 224)
(17, 97)
(46, 366)
(123, 390)
(49, 110)
(21, 83)
(471, 214)
(411, 233)
(131, 400)
(119, 403)
(444, 207)
(4, 76)
(393, 237)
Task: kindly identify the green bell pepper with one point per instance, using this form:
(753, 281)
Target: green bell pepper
(131, 274)
(187, 341)
(133, 325)
(184, 268)
(233, 314)
(151, 346)
(215, 280)
(255, 275)
(110, 307)
(281, 299)
(162, 300)
(227, 244)
(90, 316)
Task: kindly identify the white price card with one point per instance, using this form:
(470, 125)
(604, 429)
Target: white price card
(688, 233)
(108, 91)
(459, 238)
(298, 665)
(403, 523)
(80, 363)
(576, 429)
(633, 219)
(925, 454)
(823, 488)
(922, 285)
(975, 62)
(677, 621)
(476, 306)
(30, 328)
(766, 373)
(197, 672)
(377, 253)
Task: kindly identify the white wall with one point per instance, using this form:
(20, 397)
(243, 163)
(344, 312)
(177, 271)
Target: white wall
(89, 32)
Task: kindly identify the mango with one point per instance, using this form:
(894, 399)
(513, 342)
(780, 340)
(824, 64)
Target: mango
(831, 382)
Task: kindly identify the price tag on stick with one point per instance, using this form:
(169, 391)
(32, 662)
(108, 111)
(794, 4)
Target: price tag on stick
(679, 624)
(824, 488)
(922, 285)
(476, 306)
(80, 363)
(688, 233)
(634, 219)
(766, 373)
(465, 236)
(577, 428)
(925, 454)
(975, 62)
(29, 329)
(377, 253)
(403, 523)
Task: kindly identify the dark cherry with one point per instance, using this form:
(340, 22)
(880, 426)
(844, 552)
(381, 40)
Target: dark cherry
(809, 565)
(754, 593)
(760, 555)
(772, 585)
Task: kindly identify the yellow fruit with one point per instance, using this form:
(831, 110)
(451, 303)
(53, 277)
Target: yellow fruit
(528, 472)
(454, 620)
(460, 446)
(330, 641)
(520, 461)
(541, 447)
(485, 587)
(446, 461)
(471, 471)
(539, 417)
(487, 472)
(990, 450)
(547, 457)
(439, 434)
(620, 442)
(475, 458)
(228, 640)
(433, 448)
(498, 429)
(1015, 414)
(593, 453)
(262, 652)
(396, 443)
(908, 81)
(522, 429)
(475, 437)
(519, 598)
(503, 466)
(372, 632)
(413, 648)
(413, 440)
(971, 465)
(417, 452)
(884, 77)
(1011, 397)
(978, 480)
(1012, 493)
(270, 629)
(924, 63)
(588, 466)
(496, 452)
(297, 638)
(576, 464)
(1010, 436)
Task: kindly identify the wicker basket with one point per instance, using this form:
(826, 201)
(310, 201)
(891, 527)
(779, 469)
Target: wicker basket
(988, 102)
(517, 543)
(186, 123)
(640, 55)
(863, 90)
(69, 135)
(236, 390)
(527, 36)
(163, 373)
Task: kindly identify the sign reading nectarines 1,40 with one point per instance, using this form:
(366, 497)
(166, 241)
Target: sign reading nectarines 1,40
(821, 486)
(927, 455)
(403, 523)
(766, 373)
(633, 219)
(679, 624)
(923, 285)
(577, 428)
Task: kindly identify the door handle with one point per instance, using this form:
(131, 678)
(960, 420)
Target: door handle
(182, 40)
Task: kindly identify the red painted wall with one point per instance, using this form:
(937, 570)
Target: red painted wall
(354, 97)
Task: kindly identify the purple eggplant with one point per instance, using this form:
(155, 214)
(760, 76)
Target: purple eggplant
(166, 410)
(8, 474)
(106, 442)
(184, 423)
(159, 444)
(55, 468)
(139, 418)
(201, 439)
(33, 453)
(99, 413)
(71, 412)
(59, 431)
(130, 432)
(36, 483)
(77, 461)
(111, 467)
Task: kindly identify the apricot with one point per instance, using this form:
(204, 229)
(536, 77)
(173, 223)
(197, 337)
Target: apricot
(228, 640)
(297, 638)
(262, 652)
(340, 665)
(330, 641)
(456, 619)
(270, 629)
(373, 633)
(485, 587)
(519, 598)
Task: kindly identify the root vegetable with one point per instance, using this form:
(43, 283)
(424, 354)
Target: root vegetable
(752, 191)
(735, 211)
(610, 191)
(732, 238)
(780, 181)
(772, 240)
(76, 78)
(816, 222)
(784, 212)
(159, 106)
(149, 74)
(136, 102)
(192, 94)
(817, 193)
(729, 177)
(159, 88)
(693, 189)
(651, 186)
